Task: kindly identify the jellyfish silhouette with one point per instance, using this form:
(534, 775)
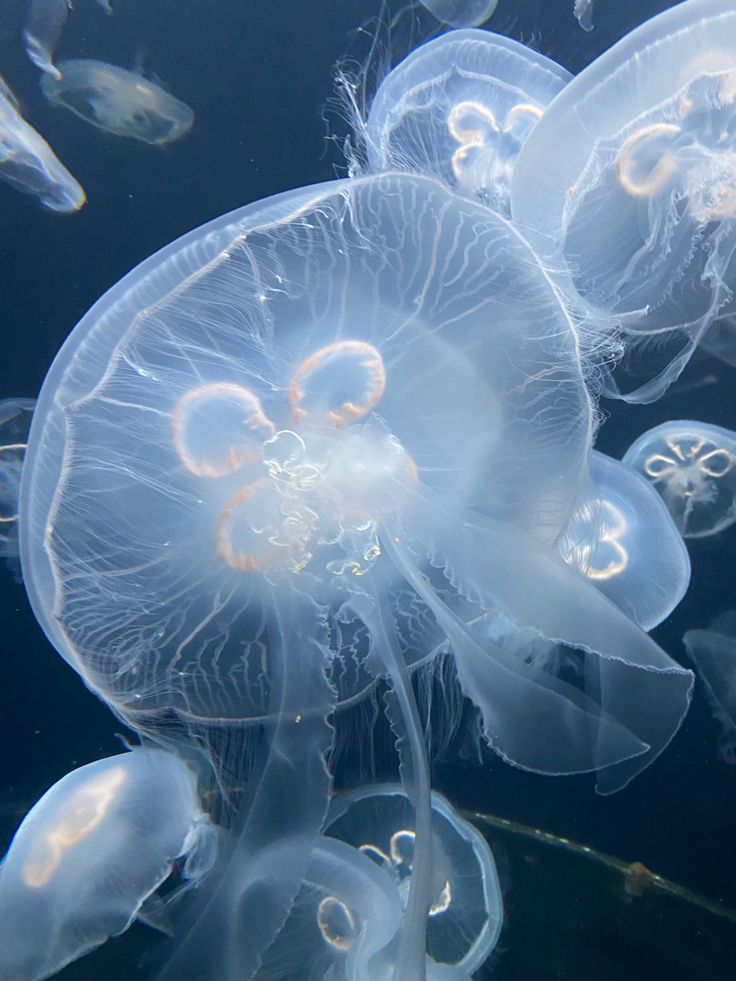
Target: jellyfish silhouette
(15, 422)
(29, 164)
(693, 466)
(459, 108)
(90, 855)
(119, 101)
(713, 651)
(628, 180)
(263, 451)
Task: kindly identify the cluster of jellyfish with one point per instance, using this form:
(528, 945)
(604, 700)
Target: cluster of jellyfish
(333, 439)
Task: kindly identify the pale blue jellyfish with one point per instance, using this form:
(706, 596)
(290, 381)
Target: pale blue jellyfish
(461, 13)
(622, 539)
(583, 13)
(90, 855)
(29, 164)
(713, 651)
(15, 422)
(119, 101)
(693, 466)
(465, 915)
(629, 181)
(460, 108)
(299, 447)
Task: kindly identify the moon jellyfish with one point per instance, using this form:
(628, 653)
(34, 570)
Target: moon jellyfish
(119, 101)
(622, 539)
(461, 13)
(29, 164)
(15, 421)
(583, 13)
(630, 180)
(460, 108)
(46, 20)
(346, 912)
(713, 651)
(92, 852)
(466, 912)
(241, 480)
(693, 466)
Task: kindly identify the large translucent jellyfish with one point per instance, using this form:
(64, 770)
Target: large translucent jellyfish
(91, 854)
(29, 164)
(466, 912)
(622, 539)
(302, 441)
(46, 20)
(693, 466)
(119, 101)
(630, 180)
(713, 651)
(461, 13)
(459, 108)
(346, 912)
(15, 421)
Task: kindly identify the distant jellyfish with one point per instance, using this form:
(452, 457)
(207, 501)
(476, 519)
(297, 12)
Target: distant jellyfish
(622, 539)
(461, 13)
(629, 182)
(460, 108)
(45, 22)
(693, 466)
(465, 917)
(720, 340)
(583, 13)
(29, 164)
(91, 854)
(346, 912)
(301, 441)
(15, 422)
(121, 102)
(713, 651)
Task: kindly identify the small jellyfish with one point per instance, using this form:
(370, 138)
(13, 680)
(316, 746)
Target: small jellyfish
(622, 539)
(583, 13)
(629, 183)
(29, 164)
(693, 466)
(45, 22)
(461, 13)
(119, 101)
(15, 422)
(347, 911)
(460, 108)
(90, 855)
(713, 651)
(466, 911)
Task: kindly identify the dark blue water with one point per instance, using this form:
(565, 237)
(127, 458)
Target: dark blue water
(259, 77)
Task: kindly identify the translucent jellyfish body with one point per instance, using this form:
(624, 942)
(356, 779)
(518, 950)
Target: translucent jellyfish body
(15, 422)
(90, 853)
(346, 912)
(630, 178)
(461, 13)
(29, 164)
(46, 20)
(693, 466)
(713, 651)
(622, 539)
(459, 108)
(583, 13)
(118, 101)
(466, 913)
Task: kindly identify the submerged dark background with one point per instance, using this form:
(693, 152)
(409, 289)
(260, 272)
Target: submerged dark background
(259, 76)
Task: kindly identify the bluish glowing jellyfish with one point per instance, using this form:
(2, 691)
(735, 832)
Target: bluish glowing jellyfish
(461, 13)
(629, 181)
(92, 852)
(29, 164)
(713, 651)
(119, 101)
(693, 466)
(460, 108)
(622, 539)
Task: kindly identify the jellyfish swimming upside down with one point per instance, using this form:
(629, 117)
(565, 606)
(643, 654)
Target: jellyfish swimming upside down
(343, 425)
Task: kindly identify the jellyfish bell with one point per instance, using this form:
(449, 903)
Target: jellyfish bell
(636, 191)
(459, 108)
(461, 13)
(90, 854)
(693, 467)
(713, 651)
(622, 539)
(465, 916)
(118, 101)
